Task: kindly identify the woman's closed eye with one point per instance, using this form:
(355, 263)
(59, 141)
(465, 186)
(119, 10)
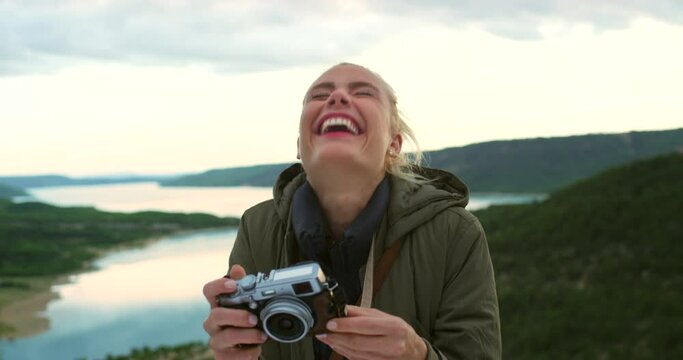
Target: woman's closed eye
(365, 92)
(319, 96)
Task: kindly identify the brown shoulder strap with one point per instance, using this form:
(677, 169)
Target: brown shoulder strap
(380, 274)
(384, 265)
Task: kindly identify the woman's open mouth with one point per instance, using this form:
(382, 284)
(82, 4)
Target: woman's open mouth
(338, 124)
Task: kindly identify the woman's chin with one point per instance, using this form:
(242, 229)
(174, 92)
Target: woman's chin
(348, 161)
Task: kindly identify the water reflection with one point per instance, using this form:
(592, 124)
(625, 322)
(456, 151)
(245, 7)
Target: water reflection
(141, 297)
(221, 201)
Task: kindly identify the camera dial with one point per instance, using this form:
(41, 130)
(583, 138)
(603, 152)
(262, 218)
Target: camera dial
(248, 282)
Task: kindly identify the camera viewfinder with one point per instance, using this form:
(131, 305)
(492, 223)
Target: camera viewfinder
(302, 288)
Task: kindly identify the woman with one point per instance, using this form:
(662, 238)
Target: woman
(354, 192)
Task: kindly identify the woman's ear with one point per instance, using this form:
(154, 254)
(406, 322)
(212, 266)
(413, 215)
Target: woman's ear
(395, 145)
(298, 152)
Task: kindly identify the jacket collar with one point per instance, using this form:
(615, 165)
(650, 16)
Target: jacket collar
(410, 205)
(342, 259)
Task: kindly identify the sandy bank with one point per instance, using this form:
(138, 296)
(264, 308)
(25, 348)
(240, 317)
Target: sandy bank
(23, 309)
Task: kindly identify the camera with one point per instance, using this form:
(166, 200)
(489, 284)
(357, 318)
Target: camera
(290, 302)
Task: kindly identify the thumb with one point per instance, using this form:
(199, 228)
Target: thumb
(237, 272)
(352, 310)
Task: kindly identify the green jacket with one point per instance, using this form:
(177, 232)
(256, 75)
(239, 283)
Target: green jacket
(442, 282)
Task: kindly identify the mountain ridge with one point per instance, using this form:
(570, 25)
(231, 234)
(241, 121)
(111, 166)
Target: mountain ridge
(534, 165)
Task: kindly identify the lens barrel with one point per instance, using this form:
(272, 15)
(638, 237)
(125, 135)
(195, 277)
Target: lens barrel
(286, 319)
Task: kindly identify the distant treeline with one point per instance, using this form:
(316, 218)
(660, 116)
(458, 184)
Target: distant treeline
(592, 272)
(37, 181)
(41, 239)
(8, 192)
(531, 165)
(260, 175)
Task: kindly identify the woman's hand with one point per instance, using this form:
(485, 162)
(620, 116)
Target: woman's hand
(372, 334)
(232, 332)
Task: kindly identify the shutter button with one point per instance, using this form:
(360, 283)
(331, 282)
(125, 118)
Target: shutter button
(248, 282)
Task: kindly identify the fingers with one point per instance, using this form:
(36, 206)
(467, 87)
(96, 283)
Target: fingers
(233, 334)
(238, 353)
(232, 331)
(218, 286)
(364, 321)
(364, 347)
(223, 285)
(373, 334)
(235, 337)
(220, 318)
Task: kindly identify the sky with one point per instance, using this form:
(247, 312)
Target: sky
(94, 87)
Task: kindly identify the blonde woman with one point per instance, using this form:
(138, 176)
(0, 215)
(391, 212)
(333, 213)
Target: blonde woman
(356, 193)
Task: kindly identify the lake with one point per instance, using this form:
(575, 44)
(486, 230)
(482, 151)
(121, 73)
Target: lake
(153, 295)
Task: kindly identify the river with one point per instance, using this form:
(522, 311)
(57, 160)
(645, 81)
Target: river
(153, 295)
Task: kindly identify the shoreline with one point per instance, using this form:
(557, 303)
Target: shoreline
(23, 309)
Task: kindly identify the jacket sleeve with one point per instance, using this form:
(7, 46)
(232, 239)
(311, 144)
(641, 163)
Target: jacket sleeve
(467, 324)
(241, 253)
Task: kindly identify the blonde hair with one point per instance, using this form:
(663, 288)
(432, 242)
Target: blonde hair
(402, 165)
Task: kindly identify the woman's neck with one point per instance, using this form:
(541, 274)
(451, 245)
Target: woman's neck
(342, 199)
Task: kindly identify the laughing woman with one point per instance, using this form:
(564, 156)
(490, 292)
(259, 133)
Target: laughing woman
(357, 200)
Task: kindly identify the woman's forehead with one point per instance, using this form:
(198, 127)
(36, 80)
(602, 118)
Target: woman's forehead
(348, 73)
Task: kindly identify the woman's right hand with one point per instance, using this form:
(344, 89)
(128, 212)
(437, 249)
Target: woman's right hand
(233, 333)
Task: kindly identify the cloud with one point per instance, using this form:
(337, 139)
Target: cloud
(232, 36)
(239, 36)
(521, 19)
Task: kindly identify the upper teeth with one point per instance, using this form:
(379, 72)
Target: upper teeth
(337, 122)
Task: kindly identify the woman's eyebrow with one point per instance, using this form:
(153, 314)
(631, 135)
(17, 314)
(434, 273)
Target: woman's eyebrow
(323, 85)
(328, 85)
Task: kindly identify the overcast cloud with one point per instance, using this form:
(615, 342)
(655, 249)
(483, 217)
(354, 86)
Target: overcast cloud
(238, 36)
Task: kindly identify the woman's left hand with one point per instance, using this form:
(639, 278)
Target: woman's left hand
(368, 333)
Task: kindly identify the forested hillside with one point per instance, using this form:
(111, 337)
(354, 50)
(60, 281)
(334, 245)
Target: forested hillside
(40, 242)
(260, 175)
(546, 164)
(530, 165)
(594, 271)
(7, 192)
(41, 239)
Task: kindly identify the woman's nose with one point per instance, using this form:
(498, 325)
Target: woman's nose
(338, 97)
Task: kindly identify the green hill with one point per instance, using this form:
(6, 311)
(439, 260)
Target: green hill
(596, 270)
(260, 175)
(41, 239)
(546, 164)
(529, 165)
(7, 191)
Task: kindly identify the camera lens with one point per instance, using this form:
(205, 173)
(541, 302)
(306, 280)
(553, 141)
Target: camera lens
(286, 326)
(286, 319)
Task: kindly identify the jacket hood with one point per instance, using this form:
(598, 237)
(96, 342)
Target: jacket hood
(410, 206)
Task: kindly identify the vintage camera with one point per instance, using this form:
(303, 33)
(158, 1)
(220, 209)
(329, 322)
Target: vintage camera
(291, 302)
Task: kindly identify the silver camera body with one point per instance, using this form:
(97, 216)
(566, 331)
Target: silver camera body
(290, 303)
